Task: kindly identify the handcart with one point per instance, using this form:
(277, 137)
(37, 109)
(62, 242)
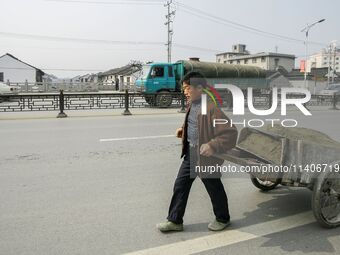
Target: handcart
(303, 158)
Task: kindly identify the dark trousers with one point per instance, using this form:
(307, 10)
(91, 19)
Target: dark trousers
(181, 192)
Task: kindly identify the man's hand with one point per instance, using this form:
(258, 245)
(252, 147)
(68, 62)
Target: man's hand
(206, 150)
(179, 132)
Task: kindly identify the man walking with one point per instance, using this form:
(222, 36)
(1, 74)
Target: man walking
(200, 141)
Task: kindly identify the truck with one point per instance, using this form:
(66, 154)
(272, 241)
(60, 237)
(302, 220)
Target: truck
(159, 81)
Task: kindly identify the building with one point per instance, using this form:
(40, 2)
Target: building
(126, 75)
(266, 60)
(85, 78)
(237, 50)
(278, 78)
(323, 59)
(13, 69)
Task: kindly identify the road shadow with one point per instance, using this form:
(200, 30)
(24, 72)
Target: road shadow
(285, 202)
(310, 238)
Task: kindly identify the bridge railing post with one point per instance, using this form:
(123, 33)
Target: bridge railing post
(126, 103)
(61, 113)
(182, 110)
(334, 102)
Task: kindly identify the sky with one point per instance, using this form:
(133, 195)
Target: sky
(113, 32)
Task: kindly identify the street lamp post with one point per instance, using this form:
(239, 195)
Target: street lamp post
(306, 30)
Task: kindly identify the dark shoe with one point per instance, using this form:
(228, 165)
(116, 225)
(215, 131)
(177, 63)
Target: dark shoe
(169, 226)
(218, 226)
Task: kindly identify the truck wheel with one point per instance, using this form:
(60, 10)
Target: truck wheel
(150, 99)
(164, 99)
(264, 185)
(326, 199)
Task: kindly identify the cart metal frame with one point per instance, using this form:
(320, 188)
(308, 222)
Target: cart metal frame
(324, 184)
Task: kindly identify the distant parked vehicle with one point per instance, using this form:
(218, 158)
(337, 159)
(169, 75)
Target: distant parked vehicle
(7, 90)
(330, 90)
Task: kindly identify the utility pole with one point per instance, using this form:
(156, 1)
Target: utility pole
(329, 64)
(306, 31)
(168, 23)
(334, 56)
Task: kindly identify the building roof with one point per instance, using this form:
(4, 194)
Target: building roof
(319, 72)
(263, 54)
(10, 55)
(124, 70)
(233, 53)
(296, 74)
(273, 74)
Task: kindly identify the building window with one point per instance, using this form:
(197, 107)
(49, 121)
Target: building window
(325, 63)
(276, 62)
(225, 61)
(2, 77)
(238, 62)
(246, 61)
(231, 62)
(337, 58)
(263, 59)
(253, 60)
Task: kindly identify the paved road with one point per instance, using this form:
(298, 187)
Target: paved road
(69, 186)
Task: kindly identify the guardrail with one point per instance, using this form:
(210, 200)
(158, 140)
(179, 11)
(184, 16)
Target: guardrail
(83, 101)
(64, 101)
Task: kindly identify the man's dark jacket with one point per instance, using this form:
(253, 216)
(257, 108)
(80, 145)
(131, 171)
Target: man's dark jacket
(221, 138)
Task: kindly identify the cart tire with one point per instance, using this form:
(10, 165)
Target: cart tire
(327, 188)
(264, 187)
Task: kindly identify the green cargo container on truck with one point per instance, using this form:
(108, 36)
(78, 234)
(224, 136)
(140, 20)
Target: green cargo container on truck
(160, 79)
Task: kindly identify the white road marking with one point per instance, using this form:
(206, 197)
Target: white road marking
(229, 237)
(135, 138)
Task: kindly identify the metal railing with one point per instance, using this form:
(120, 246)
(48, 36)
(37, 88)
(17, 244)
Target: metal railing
(66, 101)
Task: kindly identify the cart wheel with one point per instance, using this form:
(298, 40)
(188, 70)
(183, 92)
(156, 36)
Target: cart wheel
(264, 185)
(326, 199)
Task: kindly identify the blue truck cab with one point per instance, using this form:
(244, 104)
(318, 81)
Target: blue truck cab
(157, 77)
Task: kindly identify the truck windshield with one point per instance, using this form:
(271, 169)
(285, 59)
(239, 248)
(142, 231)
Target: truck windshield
(145, 71)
